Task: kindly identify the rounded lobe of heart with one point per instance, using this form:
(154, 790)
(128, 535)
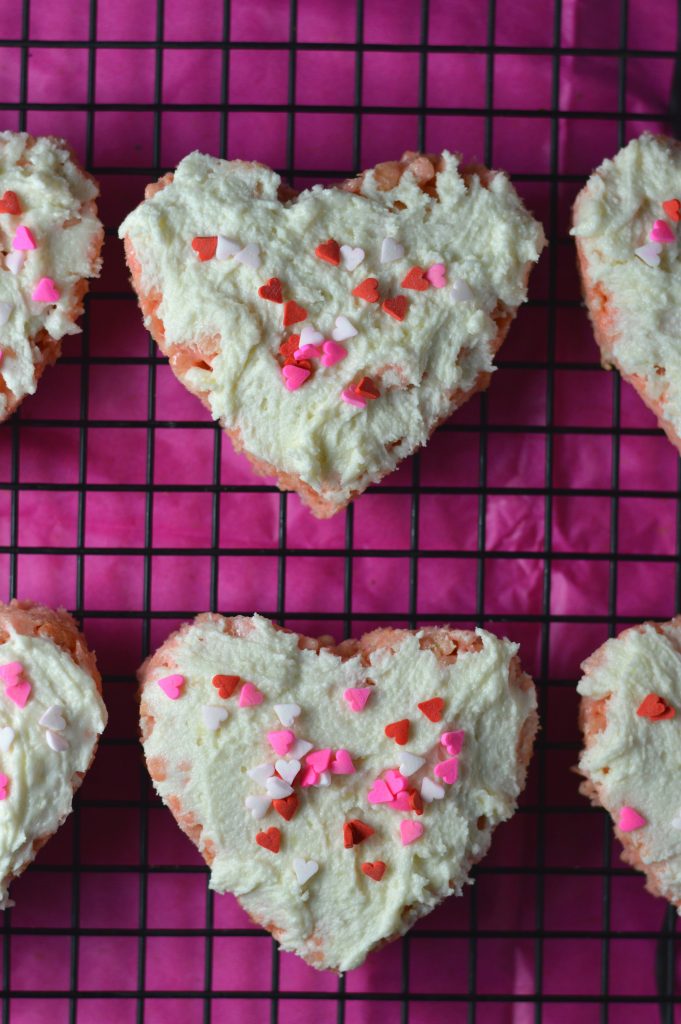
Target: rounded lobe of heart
(437, 275)
(250, 696)
(447, 770)
(343, 329)
(286, 807)
(410, 831)
(342, 764)
(270, 839)
(433, 709)
(9, 203)
(205, 247)
(271, 290)
(655, 708)
(293, 313)
(171, 685)
(374, 869)
(45, 291)
(398, 731)
(367, 290)
(281, 740)
(329, 252)
(416, 280)
(333, 353)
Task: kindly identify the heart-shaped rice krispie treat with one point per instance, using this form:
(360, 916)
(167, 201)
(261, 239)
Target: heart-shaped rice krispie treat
(626, 224)
(340, 792)
(50, 239)
(332, 331)
(630, 714)
(51, 715)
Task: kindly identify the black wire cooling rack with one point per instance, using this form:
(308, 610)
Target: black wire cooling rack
(74, 1002)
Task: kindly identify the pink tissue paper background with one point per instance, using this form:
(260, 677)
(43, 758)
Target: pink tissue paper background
(112, 468)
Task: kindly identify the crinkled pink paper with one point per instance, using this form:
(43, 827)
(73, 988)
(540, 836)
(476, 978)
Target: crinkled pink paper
(551, 855)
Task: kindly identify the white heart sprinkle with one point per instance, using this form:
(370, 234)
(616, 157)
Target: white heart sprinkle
(250, 255)
(53, 719)
(6, 737)
(391, 250)
(309, 335)
(351, 257)
(261, 773)
(56, 741)
(5, 312)
(300, 748)
(343, 329)
(213, 716)
(410, 763)
(431, 791)
(649, 253)
(226, 247)
(278, 788)
(304, 869)
(324, 779)
(460, 291)
(286, 713)
(288, 769)
(258, 806)
(14, 261)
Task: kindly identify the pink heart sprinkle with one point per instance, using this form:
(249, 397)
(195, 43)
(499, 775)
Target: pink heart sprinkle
(23, 239)
(401, 803)
(395, 780)
(333, 353)
(410, 831)
(436, 275)
(447, 770)
(379, 793)
(294, 376)
(319, 760)
(281, 740)
(630, 820)
(45, 291)
(307, 352)
(342, 764)
(11, 672)
(171, 685)
(309, 777)
(661, 232)
(453, 741)
(250, 696)
(352, 398)
(357, 696)
(4, 783)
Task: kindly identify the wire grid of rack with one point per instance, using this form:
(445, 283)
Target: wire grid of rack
(79, 998)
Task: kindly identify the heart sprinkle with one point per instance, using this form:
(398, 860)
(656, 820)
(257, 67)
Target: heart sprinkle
(396, 307)
(261, 773)
(431, 790)
(14, 261)
(10, 203)
(281, 741)
(258, 806)
(357, 696)
(661, 232)
(269, 840)
(355, 832)
(45, 291)
(447, 770)
(23, 239)
(286, 713)
(329, 252)
(294, 376)
(226, 248)
(309, 778)
(630, 820)
(351, 257)
(6, 738)
(171, 685)
(396, 781)
(249, 256)
(367, 290)
(213, 716)
(300, 748)
(310, 336)
(433, 708)
(416, 279)
(17, 688)
(319, 760)
(271, 290)
(293, 313)
(437, 275)
(655, 708)
(401, 802)
(410, 763)
(278, 788)
(226, 685)
(53, 719)
(4, 784)
(350, 396)
(672, 207)
(410, 831)
(288, 770)
(343, 329)
(250, 696)
(398, 731)
(649, 253)
(56, 741)
(453, 741)
(380, 793)
(374, 869)
(205, 247)
(367, 389)
(287, 807)
(461, 291)
(304, 869)
(333, 353)
(391, 250)
(342, 764)
(415, 801)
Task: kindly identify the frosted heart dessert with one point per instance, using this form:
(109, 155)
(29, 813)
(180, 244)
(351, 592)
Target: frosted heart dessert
(630, 714)
(340, 792)
(626, 226)
(50, 239)
(51, 715)
(331, 331)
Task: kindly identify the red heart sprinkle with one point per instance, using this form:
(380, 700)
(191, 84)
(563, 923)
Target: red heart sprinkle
(655, 708)
(270, 840)
(367, 389)
(416, 279)
(367, 290)
(672, 207)
(293, 313)
(398, 731)
(415, 801)
(226, 685)
(329, 252)
(355, 832)
(10, 203)
(286, 807)
(396, 307)
(271, 291)
(432, 708)
(375, 870)
(289, 346)
(205, 247)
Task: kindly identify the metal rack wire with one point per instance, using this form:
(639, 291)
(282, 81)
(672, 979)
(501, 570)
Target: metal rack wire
(469, 1001)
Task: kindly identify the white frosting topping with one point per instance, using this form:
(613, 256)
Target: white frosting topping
(51, 191)
(483, 236)
(340, 914)
(634, 760)
(41, 776)
(613, 217)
